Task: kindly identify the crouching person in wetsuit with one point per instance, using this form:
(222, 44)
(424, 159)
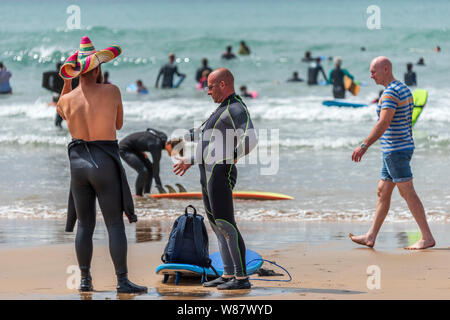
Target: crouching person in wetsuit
(132, 150)
(94, 112)
(226, 136)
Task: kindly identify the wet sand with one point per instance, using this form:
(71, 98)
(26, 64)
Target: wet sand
(333, 268)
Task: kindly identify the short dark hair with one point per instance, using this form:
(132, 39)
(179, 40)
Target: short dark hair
(174, 142)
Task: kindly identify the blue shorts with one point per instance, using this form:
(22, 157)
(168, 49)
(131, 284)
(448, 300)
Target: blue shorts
(396, 166)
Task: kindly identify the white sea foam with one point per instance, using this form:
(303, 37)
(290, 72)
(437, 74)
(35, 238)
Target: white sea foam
(261, 214)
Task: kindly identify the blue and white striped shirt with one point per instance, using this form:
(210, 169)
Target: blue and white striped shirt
(398, 136)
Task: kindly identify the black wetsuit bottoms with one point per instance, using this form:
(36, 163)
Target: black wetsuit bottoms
(58, 120)
(94, 174)
(217, 190)
(144, 168)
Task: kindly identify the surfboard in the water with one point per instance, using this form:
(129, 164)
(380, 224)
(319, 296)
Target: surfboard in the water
(341, 103)
(351, 86)
(250, 195)
(252, 259)
(420, 99)
(179, 81)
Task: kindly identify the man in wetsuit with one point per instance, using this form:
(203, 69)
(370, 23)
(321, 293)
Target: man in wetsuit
(226, 136)
(167, 71)
(54, 83)
(94, 112)
(410, 76)
(313, 72)
(132, 151)
(203, 68)
(336, 78)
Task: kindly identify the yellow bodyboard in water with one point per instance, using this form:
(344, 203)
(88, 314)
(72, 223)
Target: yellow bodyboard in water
(420, 97)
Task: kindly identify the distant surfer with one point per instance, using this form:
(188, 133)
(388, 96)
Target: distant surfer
(140, 88)
(228, 55)
(307, 57)
(313, 72)
(421, 62)
(336, 78)
(94, 113)
(394, 130)
(410, 75)
(295, 78)
(203, 68)
(244, 50)
(245, 93)
(217, 153)
(203, 81)
(167, 71)
(133, 150)
(106, 78)
(5, 75)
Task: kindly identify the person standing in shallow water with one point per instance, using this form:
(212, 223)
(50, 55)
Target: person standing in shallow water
(394, 129)
(94, 112)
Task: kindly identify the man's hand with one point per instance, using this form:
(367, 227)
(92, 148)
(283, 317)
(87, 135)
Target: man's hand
(181, 166)
(358, 154)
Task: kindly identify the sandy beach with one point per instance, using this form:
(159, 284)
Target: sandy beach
(334, 269)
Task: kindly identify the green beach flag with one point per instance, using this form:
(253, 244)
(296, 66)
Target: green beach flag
(420, 97)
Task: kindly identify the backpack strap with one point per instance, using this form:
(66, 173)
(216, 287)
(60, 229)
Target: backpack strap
(179, 237)
(198, 234)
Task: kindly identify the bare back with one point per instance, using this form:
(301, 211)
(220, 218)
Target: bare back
(93, 111)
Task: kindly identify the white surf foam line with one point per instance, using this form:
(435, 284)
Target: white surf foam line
(34, 139)
(21, 211)
(37, 110)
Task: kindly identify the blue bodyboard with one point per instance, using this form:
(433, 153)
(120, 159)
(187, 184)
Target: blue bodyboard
(133, 88)
(338, 103)
(253, 261)
(179, 81)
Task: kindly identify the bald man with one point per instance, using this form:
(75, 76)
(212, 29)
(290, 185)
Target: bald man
(394, 130)
(226, 136)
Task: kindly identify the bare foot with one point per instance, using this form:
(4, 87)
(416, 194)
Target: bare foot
(363, 240)
(137, 197)
(421, 244)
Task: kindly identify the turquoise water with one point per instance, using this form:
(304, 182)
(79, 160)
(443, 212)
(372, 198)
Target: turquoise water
(315, 142)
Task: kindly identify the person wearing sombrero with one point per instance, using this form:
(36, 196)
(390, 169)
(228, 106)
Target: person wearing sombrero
(94, 112)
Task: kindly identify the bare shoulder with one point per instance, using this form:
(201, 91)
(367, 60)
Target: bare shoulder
(112, 88)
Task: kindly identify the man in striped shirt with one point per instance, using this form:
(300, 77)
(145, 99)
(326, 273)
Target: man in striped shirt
(394, 130)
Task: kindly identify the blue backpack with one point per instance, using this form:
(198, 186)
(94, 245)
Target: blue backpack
(188, 241)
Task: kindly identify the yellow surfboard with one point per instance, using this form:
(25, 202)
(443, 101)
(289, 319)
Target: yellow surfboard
(249, 195)
(351, 86)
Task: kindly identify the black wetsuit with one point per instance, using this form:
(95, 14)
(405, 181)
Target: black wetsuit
(53, 82)
(410, 78)
(199, 73)
(313, 74)
(337, 79)
(131, 150)
(167, 71)
(96, 172)
(227, 135)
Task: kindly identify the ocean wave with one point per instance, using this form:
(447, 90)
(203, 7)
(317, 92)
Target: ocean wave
(30, 139)
(249, 214)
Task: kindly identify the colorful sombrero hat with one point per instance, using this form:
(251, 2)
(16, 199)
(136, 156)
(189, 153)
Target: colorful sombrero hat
(87, 58)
